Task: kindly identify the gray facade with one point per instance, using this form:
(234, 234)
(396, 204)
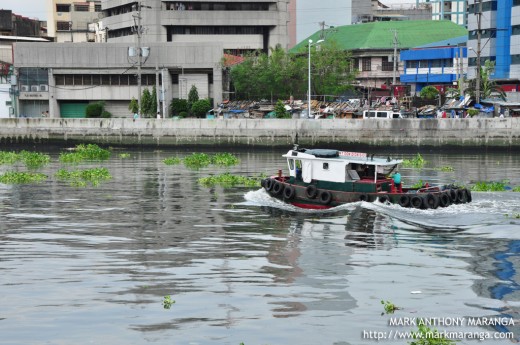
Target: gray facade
(80, 73)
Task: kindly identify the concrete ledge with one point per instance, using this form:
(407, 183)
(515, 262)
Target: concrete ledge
(437, 133)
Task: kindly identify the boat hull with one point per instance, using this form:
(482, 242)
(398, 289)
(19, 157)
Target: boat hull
(309, 196)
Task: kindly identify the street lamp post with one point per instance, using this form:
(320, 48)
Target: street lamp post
(309, 90)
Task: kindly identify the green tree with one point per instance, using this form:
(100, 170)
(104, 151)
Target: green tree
(279, 110)
(133, 106)
(193, 96)
(146, 103)
(488, 87)
(200, 107)
(177, 106)
(280, 75)
(429, 92)
(331, 70)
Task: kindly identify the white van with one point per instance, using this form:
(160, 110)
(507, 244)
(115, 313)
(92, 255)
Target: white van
(381, 114)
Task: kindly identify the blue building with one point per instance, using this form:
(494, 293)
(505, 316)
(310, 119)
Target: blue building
(440, 64)
(500, 42)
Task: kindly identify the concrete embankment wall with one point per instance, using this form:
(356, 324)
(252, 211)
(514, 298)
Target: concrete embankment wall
(502, 133)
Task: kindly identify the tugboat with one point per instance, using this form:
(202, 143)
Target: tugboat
(323, 178)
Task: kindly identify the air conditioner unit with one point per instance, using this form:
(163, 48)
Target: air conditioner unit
(25, 88)
(44, 87)
(35, 88)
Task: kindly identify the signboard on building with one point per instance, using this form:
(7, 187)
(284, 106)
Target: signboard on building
(34, 95)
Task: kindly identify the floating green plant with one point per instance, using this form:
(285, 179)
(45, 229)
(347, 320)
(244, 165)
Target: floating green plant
(168, 302)
(124, 155)
(81, 178)
(30, 159)
(197, 160)
(172, 161)
(417, 162)
(34, 159)
(225, 159)
(483, 186)
(8, 157)
(426, 336)
(89, 152)
(16, 177)
(389, 307)
(418, 184)
(516, 189)
(446, 169)
(229, 180)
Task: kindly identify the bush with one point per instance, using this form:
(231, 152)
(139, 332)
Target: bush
(429, 92)
(184, 114)
(473, 112)
(200, 108)
(94, 109)
(280, 111)
(178, 106)
(106, 114)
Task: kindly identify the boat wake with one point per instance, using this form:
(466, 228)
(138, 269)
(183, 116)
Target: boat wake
(481, 212)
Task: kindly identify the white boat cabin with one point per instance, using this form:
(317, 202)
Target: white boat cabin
(337, 166)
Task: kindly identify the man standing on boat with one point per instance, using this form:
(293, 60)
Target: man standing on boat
(397, 182)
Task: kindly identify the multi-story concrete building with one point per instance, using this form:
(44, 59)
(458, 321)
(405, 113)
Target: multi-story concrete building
(181, 44)
(500, 38)
(73, 21)
(454, 10)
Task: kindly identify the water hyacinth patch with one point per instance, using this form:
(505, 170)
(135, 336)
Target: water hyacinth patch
(417, 162)
(90, 152)
(81, 178)
(482, 186)
(229, 180)
(172, 161)
(15, 177)
(225, 159)
(30, 159)
(8, 157)
(124, 155)
(197, 160)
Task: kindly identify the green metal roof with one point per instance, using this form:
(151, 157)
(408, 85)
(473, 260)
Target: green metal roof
(379, 35)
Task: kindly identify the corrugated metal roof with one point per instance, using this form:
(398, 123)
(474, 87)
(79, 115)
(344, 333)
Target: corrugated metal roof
(379, 35)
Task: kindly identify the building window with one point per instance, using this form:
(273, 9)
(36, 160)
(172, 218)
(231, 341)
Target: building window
(387, 65)
(81, 7)
(62, 8)
(97, 7)
(63, 26)
(436, 63)
(423, 64)
(448, 63)
(367, 64)
(412, 64)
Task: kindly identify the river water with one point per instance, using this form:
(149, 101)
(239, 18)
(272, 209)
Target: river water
(93, 265)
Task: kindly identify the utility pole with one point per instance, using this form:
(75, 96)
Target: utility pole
(139, 57)
(396, 42)
(479, 38)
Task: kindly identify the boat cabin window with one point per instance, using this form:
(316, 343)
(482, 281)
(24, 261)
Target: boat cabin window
(291, 164)
(325, 166)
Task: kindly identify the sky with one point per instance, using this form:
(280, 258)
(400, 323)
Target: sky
(26, 8)
(37, 8)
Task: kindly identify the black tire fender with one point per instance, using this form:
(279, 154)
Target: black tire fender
(278, 188)
(444, 200)
(311, 191)
(364, 197)
(269, 184)
(325, 197)
(383, 199)
(404, 201)
(416, 201)
(289, 192)
(431, 200)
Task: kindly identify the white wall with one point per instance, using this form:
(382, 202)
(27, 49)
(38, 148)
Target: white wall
(4, 97)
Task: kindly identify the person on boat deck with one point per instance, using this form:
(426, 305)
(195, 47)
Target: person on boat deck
(298, 170)
(397, 182)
